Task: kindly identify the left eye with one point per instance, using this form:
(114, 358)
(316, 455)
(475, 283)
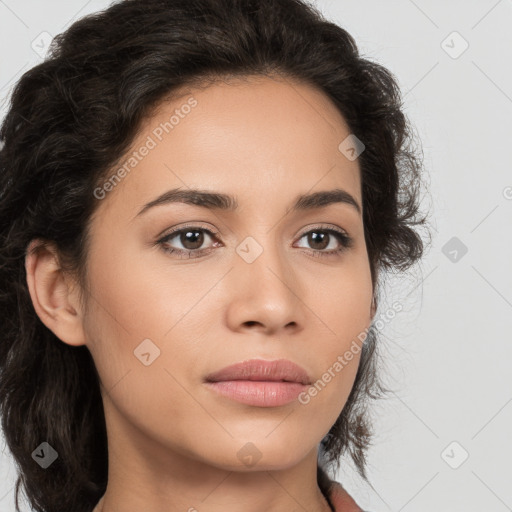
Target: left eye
(193, 238)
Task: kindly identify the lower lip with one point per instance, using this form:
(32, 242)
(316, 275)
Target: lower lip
(259, 393)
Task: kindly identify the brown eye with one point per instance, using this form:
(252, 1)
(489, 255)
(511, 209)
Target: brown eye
(320, 239)
(191, 240)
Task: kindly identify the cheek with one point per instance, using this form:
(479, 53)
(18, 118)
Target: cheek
(145, 374)
(133, 300)
(137, 329)
(341, 302)
(343, 319)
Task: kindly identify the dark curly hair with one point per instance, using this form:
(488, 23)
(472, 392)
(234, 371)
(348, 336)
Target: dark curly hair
(70, 120)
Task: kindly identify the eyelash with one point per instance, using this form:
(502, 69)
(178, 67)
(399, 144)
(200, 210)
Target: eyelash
(345, 241)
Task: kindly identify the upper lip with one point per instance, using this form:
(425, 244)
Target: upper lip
(262, 370)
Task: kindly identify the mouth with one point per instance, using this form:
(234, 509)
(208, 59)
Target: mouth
(260, 383)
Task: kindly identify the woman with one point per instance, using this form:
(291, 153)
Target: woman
(199, 199)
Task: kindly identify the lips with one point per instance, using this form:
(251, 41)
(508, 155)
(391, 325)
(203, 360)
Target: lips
(280, 370)
(260, 383)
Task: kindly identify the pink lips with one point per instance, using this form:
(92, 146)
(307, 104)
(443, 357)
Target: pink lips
(260, 383)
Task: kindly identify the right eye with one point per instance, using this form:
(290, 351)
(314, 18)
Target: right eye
(191, 239)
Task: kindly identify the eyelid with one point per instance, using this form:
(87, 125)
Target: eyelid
(324, 227)
(196, 224)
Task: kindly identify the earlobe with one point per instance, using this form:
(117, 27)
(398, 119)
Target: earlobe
(55, 304)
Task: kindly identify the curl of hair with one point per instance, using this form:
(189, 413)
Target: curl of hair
(72, 118)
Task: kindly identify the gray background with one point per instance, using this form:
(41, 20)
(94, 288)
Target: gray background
(447, 354)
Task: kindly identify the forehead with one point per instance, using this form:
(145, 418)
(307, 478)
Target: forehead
(254, 138)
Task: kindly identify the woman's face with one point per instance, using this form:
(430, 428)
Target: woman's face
(267, 284)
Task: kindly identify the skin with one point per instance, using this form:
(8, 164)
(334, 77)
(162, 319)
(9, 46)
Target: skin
(172, 442)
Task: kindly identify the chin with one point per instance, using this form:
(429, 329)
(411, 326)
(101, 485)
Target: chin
(244, 455)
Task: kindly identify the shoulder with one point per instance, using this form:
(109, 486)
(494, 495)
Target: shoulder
(341, 499)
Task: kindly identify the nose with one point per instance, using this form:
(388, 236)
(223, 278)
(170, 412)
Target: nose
(265, 294)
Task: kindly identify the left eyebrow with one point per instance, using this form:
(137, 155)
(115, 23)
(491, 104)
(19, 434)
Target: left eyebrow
(219, 201)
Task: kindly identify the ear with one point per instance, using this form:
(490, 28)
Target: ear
(54, 301)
